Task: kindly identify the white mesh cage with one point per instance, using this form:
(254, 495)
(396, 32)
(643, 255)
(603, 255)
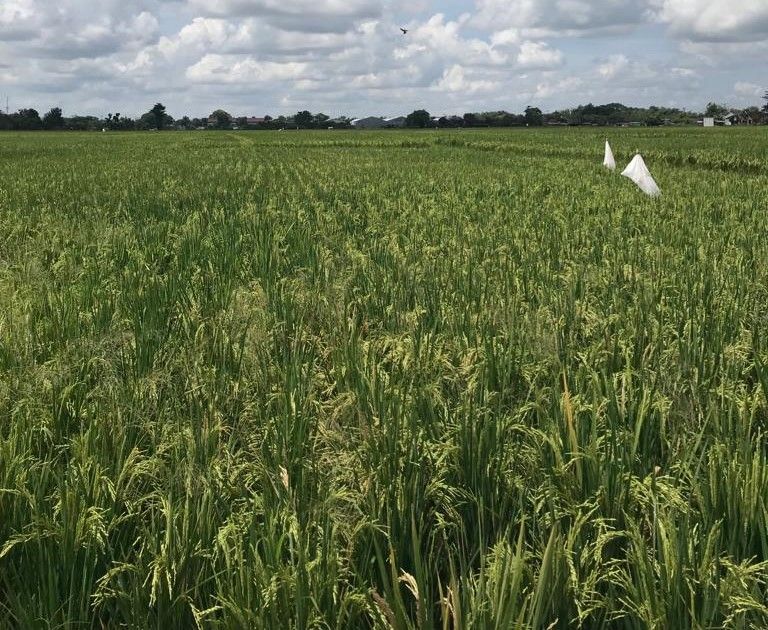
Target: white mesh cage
(638, 172)
(609, 162)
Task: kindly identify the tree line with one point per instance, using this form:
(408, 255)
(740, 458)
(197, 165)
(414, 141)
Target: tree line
(157, 118)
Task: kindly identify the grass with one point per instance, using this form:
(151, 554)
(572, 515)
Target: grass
(368, 380)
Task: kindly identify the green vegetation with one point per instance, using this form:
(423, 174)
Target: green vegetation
(420, 380)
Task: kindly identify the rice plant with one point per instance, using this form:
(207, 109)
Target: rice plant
(383, 380)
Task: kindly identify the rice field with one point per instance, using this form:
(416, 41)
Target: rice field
(450, 380)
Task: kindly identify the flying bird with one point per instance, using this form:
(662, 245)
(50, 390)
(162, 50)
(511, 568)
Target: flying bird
(405, 30)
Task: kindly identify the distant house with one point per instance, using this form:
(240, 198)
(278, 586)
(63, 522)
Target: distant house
(395, 122)
(239, 121)
(726, 121)
(371, 122)
(742, 117)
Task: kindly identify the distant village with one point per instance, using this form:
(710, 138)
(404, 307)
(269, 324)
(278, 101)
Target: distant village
(611, 114)
(369, 122)
(715, 116)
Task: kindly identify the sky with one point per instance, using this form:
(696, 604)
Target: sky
(349, 57)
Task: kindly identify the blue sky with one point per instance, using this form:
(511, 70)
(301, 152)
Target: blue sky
(254, 57)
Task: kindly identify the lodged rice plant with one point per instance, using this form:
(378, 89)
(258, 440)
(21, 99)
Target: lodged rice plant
(383, 380)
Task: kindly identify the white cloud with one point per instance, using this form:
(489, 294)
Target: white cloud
(249, 36)
(353, 8)
(727, 57)
(228, 69)
(349, 56)
(507, 37)
(567, 85)
(619, 69)
(745, 88)
(539, 55)
(561, 16)
(455, 79)
(387, 79)
(301, 15)
(715, 20)
(18, 19)
(683, 73)
(441, 37)
(74, 28)
(612, 67)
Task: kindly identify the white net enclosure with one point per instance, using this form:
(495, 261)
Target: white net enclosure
(638, 172)
(609, 162)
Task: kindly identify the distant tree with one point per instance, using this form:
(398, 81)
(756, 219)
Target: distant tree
(27, 119)
(159, 115)
(512, 120)
(609, 114)
(471, 120)
(303, 119)
(113, 121)
(419, 118)
(450, 121)
(83, 123)
(223, 120)
(558, 117)
(765, 98)
(533, 117)
(123, 123)
(53, 119)
(147, 121)
(715, 110)
(590, 114)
